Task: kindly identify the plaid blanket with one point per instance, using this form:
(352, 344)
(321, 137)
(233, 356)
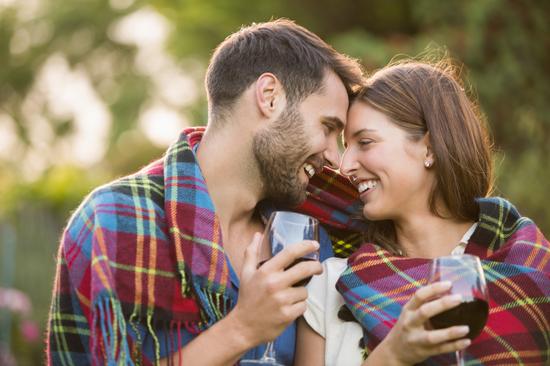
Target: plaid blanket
(145, 253)
(516, 261)
(334, 201)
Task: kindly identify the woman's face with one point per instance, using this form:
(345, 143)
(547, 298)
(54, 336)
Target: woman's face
(385, 165)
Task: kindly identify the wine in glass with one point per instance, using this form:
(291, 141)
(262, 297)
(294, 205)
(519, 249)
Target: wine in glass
(467, 278)
(284, 229)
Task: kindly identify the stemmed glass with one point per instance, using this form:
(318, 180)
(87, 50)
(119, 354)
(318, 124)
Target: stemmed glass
(467, 278)
(284, 229)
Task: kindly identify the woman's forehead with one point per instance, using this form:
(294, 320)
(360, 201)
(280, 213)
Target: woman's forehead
(363, 116)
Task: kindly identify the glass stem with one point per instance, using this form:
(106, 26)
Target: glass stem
(460, 358)
(269, 354)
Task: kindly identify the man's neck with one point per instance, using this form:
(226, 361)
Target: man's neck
(227, 163)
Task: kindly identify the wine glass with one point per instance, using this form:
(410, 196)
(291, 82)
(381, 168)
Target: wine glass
(283, 229)
(467, 278)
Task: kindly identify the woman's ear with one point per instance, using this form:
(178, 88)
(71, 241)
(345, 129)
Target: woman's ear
(270, 97)
(429, 158)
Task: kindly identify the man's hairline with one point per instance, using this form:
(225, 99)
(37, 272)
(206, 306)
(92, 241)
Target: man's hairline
(321, 91)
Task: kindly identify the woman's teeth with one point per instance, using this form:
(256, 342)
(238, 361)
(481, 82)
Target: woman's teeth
(309, 169)
(366, 185)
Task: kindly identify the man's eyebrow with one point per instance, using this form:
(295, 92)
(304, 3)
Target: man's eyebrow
(336, 121)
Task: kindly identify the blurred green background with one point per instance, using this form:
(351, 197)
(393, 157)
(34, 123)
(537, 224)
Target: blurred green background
(93, 89)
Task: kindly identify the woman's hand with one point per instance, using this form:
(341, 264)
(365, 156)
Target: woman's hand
(410, 341)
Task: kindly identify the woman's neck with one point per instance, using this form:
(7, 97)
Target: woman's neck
(429, 236)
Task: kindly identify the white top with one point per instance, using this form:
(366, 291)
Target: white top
(461, 247)
(341, 338)
(324, 302)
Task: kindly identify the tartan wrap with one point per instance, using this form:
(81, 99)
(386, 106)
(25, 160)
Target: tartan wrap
(335, 202)
(516, 261)
(145, 252)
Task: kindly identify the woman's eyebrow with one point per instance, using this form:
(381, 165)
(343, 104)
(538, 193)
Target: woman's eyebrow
(358, 132)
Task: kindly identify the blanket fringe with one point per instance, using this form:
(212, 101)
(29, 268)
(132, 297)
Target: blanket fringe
(109, 337)
(217, 303)
(110, 346)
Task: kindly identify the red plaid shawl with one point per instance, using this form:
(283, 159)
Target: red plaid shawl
(516, 261)
(143, 257)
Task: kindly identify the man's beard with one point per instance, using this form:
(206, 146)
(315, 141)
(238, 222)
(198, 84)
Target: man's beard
(280, 151)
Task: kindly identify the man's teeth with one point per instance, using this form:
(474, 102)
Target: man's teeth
(369, 184)
(309, 169)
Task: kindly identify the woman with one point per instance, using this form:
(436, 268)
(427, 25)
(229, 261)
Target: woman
(420, 158)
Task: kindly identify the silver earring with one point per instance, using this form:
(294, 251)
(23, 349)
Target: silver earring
(428, 163)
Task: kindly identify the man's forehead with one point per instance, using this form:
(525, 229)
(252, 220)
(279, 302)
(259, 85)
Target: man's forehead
(337, 100)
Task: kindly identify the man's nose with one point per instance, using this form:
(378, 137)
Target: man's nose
(332, 157)
(347, 164)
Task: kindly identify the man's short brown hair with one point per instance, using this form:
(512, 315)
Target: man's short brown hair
(298, 58)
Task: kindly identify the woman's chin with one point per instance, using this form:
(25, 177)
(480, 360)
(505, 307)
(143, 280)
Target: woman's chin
(372, 214)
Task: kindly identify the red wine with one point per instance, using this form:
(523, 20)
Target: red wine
(305, 281)
(472, 313)
(300, 283)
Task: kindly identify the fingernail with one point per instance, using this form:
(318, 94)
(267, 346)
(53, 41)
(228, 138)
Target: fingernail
(456, 298)
(445, 284)
(464, 343)
(316, 245)
(463, 329)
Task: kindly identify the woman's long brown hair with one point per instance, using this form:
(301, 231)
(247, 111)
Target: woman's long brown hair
(428, 98)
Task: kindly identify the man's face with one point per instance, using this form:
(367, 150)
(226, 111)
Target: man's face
(301, 141)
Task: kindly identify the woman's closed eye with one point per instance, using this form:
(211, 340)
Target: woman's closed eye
(364, 142)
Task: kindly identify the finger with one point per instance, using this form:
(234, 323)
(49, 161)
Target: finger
(301, 271)
(453, 346)
(427, 310)
(287, 256)
(435, 337)
(295, 310)
(251, 257)
(426, 293)
(293, 295)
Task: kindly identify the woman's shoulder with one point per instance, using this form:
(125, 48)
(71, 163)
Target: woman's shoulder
(323, 284)
(335, 264)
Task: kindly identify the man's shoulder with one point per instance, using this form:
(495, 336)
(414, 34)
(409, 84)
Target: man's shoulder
(116, 213)
(126, 196)
(141, 186)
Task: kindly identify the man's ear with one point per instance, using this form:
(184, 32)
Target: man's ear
(270, 97)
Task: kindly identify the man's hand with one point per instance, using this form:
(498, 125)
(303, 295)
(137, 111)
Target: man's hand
(267, 301)
(267, 305)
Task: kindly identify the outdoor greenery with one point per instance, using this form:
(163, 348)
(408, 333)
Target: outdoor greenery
(503, 45)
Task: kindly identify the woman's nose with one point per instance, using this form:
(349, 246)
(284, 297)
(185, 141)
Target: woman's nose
(348, 165)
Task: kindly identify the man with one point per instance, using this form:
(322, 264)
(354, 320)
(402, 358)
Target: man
(163, 265)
